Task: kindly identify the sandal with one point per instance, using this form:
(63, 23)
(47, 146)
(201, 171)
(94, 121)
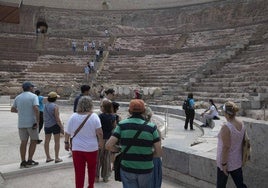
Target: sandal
(49, 160)
(58, 160)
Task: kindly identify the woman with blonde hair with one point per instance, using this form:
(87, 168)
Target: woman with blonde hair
(229, 151)
(85, 142)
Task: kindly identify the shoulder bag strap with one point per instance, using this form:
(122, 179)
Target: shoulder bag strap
(135, 137)
(81, 125)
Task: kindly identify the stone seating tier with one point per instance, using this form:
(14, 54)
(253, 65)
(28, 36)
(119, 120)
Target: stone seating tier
(64, 84)
(17, 43)
(20, 56)
(11, 66)
(161, 70)
(65, 44)
(190, 40)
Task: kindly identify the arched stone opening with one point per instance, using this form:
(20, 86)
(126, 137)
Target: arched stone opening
(41, 26)
(105, 5)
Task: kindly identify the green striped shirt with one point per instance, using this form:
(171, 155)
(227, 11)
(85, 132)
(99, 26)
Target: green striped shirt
(139, 157)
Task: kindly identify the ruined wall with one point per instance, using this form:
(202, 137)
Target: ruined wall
(71, 22)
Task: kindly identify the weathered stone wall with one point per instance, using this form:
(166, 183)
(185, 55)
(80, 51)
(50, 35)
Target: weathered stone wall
(215, 15)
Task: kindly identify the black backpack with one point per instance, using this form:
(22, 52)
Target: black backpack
(186, 105)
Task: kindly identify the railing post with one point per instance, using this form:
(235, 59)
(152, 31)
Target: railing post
(166, 121)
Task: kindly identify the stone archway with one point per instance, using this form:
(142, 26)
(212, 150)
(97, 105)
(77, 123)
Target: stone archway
(41, 26)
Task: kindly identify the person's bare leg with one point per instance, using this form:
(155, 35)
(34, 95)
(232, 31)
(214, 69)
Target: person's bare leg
(57, 146)
(23, 148)
(46, 145)
(32, 149)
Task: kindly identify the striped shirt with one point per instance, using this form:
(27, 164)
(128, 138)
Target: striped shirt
(139, 157)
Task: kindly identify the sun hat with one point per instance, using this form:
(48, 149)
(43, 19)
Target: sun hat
(53, 94)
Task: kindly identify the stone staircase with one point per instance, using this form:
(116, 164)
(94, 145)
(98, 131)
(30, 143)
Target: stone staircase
(244, 74)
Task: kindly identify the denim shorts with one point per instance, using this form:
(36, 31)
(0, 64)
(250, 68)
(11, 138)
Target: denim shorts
(55, 129)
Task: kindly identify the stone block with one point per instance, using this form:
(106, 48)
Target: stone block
(126, 90)
(120, 90)
(257, 133)
(175, 160)
(263, 96)
(145, 91)
(255, 177)
(157, 92)
(245, 104)
(202, 168)
(255, 104)
(151, 91)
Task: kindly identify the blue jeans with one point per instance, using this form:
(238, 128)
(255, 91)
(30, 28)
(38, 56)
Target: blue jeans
(237, 176)
(132, 180)
(157, 173)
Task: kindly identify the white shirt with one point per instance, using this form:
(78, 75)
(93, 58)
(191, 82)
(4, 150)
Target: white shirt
(86, 139)
(91, 64)
(213, 110)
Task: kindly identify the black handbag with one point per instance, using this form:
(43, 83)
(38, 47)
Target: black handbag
(118, 158)
(117, 164)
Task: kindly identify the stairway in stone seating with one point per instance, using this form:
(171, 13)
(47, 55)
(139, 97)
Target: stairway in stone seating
(237, 79)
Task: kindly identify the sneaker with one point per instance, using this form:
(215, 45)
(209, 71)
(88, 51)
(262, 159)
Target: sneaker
(23, 164)
(32, 163)
(192, 129)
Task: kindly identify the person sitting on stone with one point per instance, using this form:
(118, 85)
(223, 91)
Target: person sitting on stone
(210, 114)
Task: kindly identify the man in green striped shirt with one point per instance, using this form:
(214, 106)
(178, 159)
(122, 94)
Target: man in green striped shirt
(137, 163)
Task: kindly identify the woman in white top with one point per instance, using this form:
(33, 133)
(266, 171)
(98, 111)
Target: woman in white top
(86, 142)
(210, 113)
(229, 150)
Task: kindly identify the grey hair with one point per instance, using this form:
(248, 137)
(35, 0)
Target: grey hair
(84, 104)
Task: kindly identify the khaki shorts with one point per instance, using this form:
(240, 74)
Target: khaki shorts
(25, 133)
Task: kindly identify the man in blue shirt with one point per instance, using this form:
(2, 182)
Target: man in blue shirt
(84, 92)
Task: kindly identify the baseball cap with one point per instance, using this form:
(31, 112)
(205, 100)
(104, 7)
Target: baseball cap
(27, 85)
(53, 94)
(137, 105)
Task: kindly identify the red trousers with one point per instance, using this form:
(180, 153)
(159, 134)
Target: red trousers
(82, 159)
